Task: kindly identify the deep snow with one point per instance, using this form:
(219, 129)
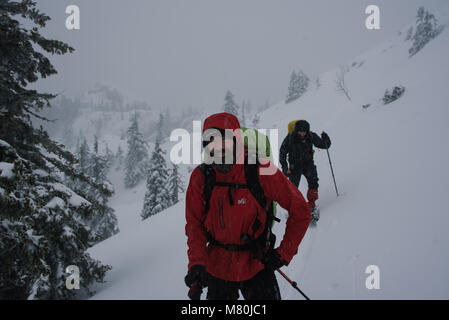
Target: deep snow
(390, 162)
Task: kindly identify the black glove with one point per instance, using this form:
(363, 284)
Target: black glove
(197, 275)
(325, 138)
(272, 260)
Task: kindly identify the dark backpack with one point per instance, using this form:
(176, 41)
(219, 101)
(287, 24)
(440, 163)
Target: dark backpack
(267, 238)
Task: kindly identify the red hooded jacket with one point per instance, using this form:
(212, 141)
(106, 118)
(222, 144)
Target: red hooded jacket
(237, 219)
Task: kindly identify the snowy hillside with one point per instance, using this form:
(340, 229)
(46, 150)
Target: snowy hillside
(390, 163)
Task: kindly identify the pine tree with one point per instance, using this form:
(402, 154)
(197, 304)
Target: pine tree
(137, 156)
(167, 124)
(256, 120)
(175, 185)
(299, 82)
(243, 118)
(120, 158)
(43, 222)
(160, 128)
(157, 196)
(110, 157)
(394, 95)
(426, 29)
(98, 169)
(104, 225)
(230, 106)
(96, 166)
(303, 80)
(248, 108)
(292, 88)
(83, 156)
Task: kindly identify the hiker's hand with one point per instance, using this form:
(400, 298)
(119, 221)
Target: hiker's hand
(326, 139)
(272, 260)
(197, 274)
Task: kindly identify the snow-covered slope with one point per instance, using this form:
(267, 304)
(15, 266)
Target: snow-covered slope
(390, 163)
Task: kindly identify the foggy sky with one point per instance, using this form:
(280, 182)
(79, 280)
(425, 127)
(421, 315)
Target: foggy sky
(177, 53)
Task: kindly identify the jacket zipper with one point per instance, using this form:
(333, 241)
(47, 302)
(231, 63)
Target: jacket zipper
(220, 213)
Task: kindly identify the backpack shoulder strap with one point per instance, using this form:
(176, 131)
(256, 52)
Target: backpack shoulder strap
(209, 183)
(253, 182)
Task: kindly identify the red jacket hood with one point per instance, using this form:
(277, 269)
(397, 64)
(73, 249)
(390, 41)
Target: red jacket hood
(227, 121)
(221, 121)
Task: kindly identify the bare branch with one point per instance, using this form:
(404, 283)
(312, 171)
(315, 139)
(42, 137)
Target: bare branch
(340, 82)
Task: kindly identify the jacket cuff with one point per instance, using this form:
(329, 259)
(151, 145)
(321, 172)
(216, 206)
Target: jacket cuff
(284, 259)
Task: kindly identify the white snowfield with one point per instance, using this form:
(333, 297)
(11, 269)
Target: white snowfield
(391, 166)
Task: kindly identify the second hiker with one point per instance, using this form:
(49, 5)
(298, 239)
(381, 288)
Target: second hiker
(298, 145)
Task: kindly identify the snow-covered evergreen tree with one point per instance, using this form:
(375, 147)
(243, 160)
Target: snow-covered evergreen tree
(303, 82)
(137, 157)
(230, 106)
(104, 225)
(292, 88)
(243, 114)
(157, 196)
(299, 82)
(83, 156)
(110, 157)
(393, 95)
(256, 120)
(119, 158)
(160, 129)
(68, 138)
(248, 109)
(96, 166)
(175, 184)
(427, 28)
(43, 222)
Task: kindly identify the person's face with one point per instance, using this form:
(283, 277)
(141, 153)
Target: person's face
(302, 134)
(220, 147)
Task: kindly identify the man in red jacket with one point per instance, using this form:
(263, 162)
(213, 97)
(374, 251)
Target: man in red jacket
(220, 223)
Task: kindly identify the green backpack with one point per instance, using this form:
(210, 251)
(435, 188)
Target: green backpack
(255, 141)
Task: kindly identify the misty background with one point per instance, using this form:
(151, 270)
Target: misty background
(178, 54)
(143, 68)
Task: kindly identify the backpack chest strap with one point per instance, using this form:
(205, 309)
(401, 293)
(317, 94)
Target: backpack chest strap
(231, 185)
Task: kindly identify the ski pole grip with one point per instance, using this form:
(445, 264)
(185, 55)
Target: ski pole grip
(195, 292)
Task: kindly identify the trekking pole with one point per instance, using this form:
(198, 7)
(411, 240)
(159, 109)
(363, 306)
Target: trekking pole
(293, 283)
(332, 170)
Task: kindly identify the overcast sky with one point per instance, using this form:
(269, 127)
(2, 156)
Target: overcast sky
(177, 53)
